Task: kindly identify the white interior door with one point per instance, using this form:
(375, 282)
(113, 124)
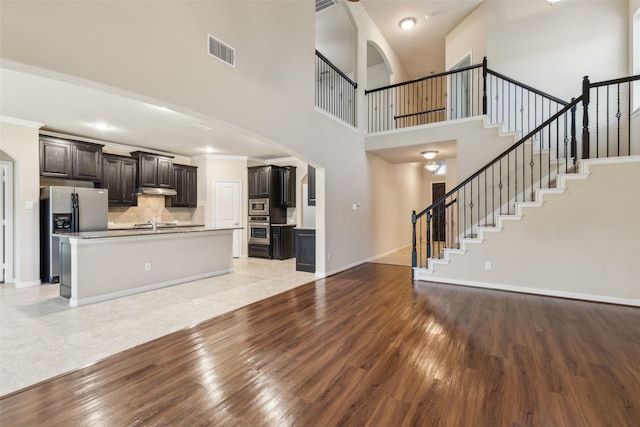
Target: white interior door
(6, 222)
(227, 210)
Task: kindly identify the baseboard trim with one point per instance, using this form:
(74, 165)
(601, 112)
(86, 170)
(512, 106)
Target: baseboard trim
(27, 284)
(375, 257)
(73, 302)
(345, 267)
(534, 291)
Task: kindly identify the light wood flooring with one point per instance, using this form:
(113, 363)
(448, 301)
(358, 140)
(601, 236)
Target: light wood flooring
(365, 347)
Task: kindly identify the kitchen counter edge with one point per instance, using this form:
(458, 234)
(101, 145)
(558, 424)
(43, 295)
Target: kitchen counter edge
(142, 232)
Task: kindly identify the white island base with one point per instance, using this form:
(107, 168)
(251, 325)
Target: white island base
(104, 265)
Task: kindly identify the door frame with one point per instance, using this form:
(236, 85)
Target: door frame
(444, 183)
(467, 110)
(237, 234)
(6, 225)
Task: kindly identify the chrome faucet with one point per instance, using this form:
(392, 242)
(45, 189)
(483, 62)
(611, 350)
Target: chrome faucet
(154, 224)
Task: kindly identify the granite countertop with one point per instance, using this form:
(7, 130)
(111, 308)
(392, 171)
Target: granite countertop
(283, 225)
(146, 226)
(143, 232)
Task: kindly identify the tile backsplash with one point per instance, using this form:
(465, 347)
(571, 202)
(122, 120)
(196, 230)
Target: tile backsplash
(153, 206)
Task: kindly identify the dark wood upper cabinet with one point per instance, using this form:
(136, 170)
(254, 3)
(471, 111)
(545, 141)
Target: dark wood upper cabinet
(68, 159)
(154, 171)
(55, 158)
(287, 185)
(259, 181)
(119, 177)
(165, 172)
(311, 186)
(148, 173)
(185, 179)
(128, 175)
(87, 161)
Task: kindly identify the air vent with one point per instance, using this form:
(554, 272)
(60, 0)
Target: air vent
(222, 51)
(323, 4)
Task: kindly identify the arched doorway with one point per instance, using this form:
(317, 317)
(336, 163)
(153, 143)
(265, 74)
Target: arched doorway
(378, 70)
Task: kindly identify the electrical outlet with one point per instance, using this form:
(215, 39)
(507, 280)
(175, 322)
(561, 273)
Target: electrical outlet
(487, 265)
(147, 266)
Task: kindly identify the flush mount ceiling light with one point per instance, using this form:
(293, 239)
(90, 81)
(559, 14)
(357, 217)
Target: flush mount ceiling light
(429, 154)
(431, 166)
(551, 2)
(407, 23)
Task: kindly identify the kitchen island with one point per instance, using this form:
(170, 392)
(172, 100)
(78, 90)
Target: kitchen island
(101, 265)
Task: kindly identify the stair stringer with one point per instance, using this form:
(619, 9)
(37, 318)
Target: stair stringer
(538, 202)
(595, 283)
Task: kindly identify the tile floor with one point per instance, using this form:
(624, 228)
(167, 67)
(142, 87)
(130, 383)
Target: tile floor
(41, 336)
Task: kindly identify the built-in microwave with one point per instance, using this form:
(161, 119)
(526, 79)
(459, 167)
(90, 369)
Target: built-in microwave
(258, 207)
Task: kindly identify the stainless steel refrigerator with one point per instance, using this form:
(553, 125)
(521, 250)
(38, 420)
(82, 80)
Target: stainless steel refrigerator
(67, 209)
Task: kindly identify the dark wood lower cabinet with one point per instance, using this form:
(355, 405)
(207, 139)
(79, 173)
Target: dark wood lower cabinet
(282, 242)
(259, 251)
(305, 242)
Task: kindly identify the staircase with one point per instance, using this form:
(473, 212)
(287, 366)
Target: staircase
(450, 236)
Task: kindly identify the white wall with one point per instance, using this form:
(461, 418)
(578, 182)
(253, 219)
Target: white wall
(468, 37)
(21, 142)
(548, 47)
(634, 48)
(572, 246)
(552, 47)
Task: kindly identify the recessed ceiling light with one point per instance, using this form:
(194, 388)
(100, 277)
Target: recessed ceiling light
(427, 16)
(200, 127)
(101, 126)
(407, 23)
(209, 150)
(162, 108)
(429, 154)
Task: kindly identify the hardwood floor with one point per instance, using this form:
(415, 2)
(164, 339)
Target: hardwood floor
(365, 347)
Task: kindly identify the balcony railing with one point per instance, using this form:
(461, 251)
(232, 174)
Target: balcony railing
(335, 92)
(457, 94)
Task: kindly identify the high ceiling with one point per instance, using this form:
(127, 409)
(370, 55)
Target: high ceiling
(420, 50)
(70, 107)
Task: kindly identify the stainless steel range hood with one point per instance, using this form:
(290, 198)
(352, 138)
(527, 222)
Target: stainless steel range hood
(157, 191)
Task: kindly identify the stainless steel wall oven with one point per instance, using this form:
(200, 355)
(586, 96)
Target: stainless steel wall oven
(259, 230)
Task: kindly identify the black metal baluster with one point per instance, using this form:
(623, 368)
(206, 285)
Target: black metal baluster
(508, 185)
(597, 121)
(532, 164)
(500, 186)
(493, 194)
(608, 128)
(464, 211)
(486, 212)
(629, 119)
(618, 115)
(515, 174)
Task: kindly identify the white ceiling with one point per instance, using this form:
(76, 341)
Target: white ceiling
(73, 109)
(421, 50)
(69, 107)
